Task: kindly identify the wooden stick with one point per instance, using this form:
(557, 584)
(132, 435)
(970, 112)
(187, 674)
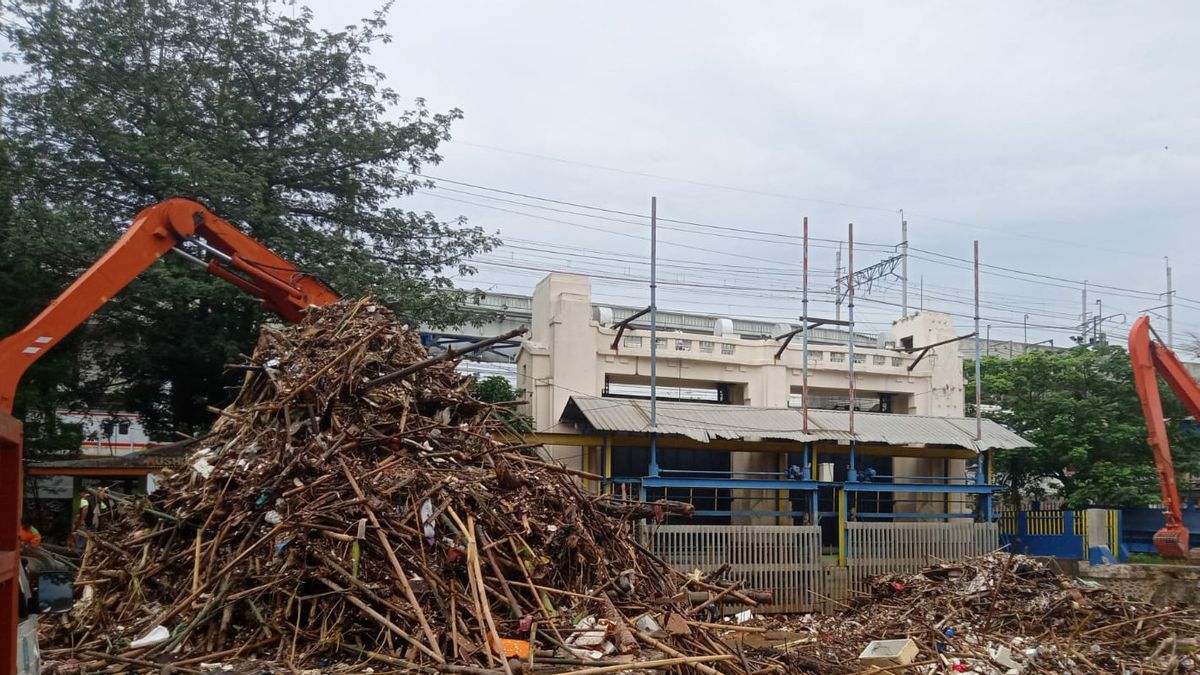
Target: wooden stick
(515, 606)
(383, 620)
(524, 459)
(196, 563)
(218, 655)
(401, 576)
(330, 364)
(444, 356)
(667, 649)
(697, 661)
(731, 626)
(475, 573)
(132, 662)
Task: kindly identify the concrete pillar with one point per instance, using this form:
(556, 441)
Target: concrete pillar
(943, 397)
(559, 359)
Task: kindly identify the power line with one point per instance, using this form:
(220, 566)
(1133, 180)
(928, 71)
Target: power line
(766, 193)
(740, 232)
(561, 202)
(718, 186)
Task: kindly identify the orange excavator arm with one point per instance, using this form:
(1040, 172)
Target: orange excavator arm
(1150, 357)
(232, 255)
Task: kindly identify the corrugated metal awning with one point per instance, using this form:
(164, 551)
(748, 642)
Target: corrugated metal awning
(706, 421)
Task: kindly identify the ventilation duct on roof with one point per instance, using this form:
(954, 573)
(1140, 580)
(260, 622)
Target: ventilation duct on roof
(603, 315)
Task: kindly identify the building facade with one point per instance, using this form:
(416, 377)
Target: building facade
(578, 348)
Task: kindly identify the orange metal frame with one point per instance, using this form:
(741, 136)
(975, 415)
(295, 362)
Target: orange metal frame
(10, 502)
(235, 257)
(1150, 357)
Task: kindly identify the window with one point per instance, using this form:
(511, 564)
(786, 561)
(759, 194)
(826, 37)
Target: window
(706, 346)
(633, 341)
(727, 349)
(661, 343)
(106, 428)
(123, 428)
(837, 357)
(683, 345)
(896, 361)
(860, 358)
(879, 360)
(907, 342)
(816, 356)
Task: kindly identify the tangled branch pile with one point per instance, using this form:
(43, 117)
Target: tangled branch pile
(998, 614)
(333, 518)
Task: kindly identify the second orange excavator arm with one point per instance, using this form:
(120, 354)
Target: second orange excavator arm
(1150, 358)
(233, 255)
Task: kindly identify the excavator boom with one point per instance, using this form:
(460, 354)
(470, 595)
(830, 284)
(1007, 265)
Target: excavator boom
(232, 255)
(1150, 357)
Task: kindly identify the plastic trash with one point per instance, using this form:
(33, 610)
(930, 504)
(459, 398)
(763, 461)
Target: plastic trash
(157, 635)
(202, 467)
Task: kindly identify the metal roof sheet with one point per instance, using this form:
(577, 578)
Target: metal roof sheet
(706, 421)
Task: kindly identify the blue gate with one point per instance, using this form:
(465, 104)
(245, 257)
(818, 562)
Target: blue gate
(1058, 534)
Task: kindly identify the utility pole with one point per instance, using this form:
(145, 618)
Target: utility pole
(804, 338)
(653, 470)
(1083, 317)
(1025, 325)
(978, 370)
(852, 473)
(1170, 307)
(837, 276)
(903, 265)
(1099, 325)
(988, 341)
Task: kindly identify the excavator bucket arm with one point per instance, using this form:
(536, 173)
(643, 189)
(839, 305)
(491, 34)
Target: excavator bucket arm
(1149, 358)
(234, 256)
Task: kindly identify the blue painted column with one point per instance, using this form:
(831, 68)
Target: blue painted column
(981, 478)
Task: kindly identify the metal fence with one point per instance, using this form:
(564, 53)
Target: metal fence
(783, 558)
(886, 548)
(1059, 533)
(787, 559)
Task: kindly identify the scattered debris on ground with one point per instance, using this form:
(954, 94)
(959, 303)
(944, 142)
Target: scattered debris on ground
(356, 508)
(994, 614)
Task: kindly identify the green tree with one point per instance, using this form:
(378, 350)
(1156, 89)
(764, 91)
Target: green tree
(26, 289)
(1080, 409)
(497, 389)
(244, 104)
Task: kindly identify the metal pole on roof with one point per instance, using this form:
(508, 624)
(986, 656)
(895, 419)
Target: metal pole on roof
(903, 265)
(653, 469)
(852, 474)
(1170, 307)
(837, 278)
(804, 331)
(978, 369)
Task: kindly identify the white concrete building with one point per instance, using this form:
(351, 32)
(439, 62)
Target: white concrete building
(570, 351)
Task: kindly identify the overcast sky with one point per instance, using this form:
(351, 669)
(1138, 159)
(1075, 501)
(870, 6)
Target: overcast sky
(1065, 137)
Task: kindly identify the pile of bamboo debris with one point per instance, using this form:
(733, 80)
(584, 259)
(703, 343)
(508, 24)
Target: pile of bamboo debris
(355, 507)
(1000, 614)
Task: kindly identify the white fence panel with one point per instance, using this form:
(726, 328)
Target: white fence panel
(785, 559)
(900, 548)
